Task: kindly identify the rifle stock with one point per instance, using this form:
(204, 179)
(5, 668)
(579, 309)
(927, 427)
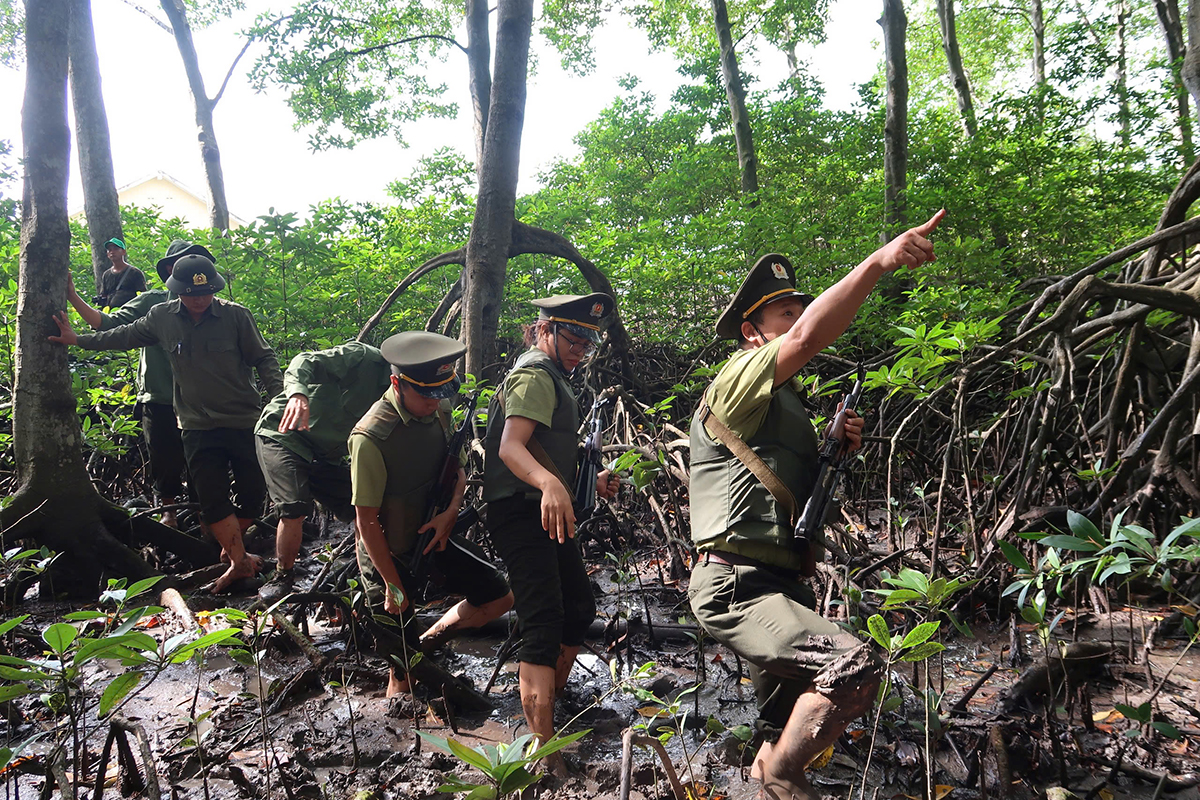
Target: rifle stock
(809, 529)
(592, 461)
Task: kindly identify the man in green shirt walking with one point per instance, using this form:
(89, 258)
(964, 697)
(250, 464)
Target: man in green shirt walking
(301, 441)
(213, 346)
(154, 382)
(397, 451)
(811, 678)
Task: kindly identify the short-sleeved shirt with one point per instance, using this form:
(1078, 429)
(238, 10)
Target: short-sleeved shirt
(155, 384)
(211, 360)
(742, 390)
(341, 383)
(529, 392)
(118, 288)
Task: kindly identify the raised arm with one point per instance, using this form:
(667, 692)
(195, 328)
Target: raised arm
(91, 316)
(831, 313)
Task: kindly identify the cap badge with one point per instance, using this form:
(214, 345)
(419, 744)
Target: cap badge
(444, 368)
(199, 279)
(779, 272)
(597, 310)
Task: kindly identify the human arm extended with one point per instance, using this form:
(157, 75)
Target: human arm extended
(140, 333)
(309, 370)
(558, 513)
(90, 315)
(375, 543)
(443, 523)
(831, 313)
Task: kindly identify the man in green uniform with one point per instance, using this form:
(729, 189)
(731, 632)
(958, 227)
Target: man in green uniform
(301, 442)
(154, 382)
(213, 346)
(811, 678)
(397, 451)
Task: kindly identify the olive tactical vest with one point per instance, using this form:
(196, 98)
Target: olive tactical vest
(724, 492)
(560, 440)
(413, 455)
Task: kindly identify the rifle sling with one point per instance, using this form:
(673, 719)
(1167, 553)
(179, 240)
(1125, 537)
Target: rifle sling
(539, 453)
(750, 459)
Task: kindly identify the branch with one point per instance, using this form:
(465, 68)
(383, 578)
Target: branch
(216, 99)
(349, 53)
(152, 18)
(458, 256)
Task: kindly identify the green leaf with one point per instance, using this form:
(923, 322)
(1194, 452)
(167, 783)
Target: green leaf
(742, 732)
(557, 743)
(1140, 714)
(879, 631)
(898, 597)
(13, 692)
(9, 624)
(920, 634)
(1064, 542)
(485, 792)
(1167, 729)
(206, 641)
(1082, 527)
(468, 755)
(59, 636)
(141, 586)
(923, 651)
(116, 691)
(1014, 556)
(517, 780)
(1031, 615)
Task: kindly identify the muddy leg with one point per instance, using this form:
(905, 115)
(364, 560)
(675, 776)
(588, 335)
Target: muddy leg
(462, 617)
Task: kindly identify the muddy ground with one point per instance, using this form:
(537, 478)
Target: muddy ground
(316, 724)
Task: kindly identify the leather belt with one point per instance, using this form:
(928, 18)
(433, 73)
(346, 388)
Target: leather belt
(735, 560)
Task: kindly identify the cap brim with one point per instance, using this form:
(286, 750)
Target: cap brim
(582, 332)
(191, 290)
(449, 389)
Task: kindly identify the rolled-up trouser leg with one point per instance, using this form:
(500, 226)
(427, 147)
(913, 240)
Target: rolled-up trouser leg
(767, 620)
(551, 589)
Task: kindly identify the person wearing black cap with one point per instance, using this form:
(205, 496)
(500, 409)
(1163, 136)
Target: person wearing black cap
(213, 346)
(154, 382)
(397, 451)
(120, 283)
(301, 442)
(530, 464)
(810, 677)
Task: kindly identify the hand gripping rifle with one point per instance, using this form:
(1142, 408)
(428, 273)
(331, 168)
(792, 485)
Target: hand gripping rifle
(593, 456)
(442, 493)
(809, 530)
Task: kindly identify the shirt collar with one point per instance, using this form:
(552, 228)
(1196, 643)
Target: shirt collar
(213, 309)
(405, 416)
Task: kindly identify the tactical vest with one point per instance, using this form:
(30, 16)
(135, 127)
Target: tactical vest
(413, 455)
(724, 492)
(560, 440)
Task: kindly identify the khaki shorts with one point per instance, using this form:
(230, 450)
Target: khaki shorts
(768, 620)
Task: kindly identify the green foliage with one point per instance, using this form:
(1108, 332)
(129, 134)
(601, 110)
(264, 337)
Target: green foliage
(505, 766)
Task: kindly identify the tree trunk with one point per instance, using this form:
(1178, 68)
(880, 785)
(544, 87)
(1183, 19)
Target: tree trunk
(1172, 27)
(735, 93)
(1191, 59)
(1123, 116)
(55, 501)
(209, 152)
(1038, 21)
(495, 206)
(479, 53)
(958, 75)
(100, 203)
(895, 132)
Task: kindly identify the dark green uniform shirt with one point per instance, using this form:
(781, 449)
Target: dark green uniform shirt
(211, 360)
(155, 384)
(394, 460)
(341, 384)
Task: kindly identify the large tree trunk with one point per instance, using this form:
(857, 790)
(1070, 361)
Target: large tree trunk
(735, 93)
(1191, 59)
(495, 207)
(1037, 21)
(895, 133)
(1172, 27)
(958, 75)
(100, 203)
(55, 502)
(479, 53)
(209, 152)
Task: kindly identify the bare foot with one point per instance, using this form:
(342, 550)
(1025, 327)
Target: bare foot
(396, 684)
(756, 769)
(556, 765)
(776, 787)
(169, 519)
(249, 566)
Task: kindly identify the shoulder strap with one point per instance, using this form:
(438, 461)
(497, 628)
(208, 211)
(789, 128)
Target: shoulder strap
(750, 459)
(379, 421)
(538, 452)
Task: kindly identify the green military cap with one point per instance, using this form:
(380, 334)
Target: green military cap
(425, 361)
(771, 279)
(581, 314)
(195, 275)
(114, 241)
(176, 250)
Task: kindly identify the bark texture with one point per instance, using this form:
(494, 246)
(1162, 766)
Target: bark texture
(1172, 28)
(958, 75)
(1191, 59)
(895, 134)
(479, 53)
(1037, 21)
(495, 206)
(100, 203)
(735, 94)
(210, 154)
(55, 503)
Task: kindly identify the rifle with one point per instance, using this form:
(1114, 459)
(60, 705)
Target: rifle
(809, 530)
(592, 461)
(442, 492)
